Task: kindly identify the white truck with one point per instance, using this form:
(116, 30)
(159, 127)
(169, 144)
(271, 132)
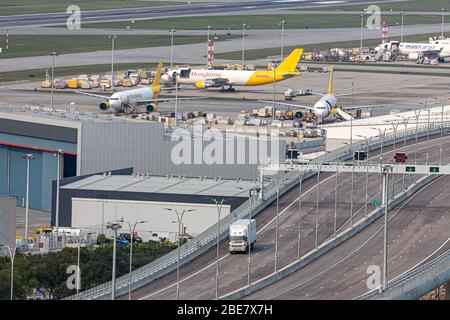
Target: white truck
(242, 235)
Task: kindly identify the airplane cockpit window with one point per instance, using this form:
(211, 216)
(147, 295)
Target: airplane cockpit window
(184, 73)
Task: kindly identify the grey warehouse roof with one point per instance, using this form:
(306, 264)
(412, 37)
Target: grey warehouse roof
(168, 185)
(37, 114)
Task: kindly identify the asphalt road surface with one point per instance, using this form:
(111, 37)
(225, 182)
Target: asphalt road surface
(198, 277)
(165, 11)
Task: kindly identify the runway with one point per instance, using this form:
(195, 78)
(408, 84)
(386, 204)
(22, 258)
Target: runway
(166, 11)
(194, 53)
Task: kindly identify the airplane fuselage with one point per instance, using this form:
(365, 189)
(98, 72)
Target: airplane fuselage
(203, 78)
(323, 107)
(119, 100)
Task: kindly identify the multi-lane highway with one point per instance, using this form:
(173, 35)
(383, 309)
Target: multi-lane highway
(166, 11)
(198, 277)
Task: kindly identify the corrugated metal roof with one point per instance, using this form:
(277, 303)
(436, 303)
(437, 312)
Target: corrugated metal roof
(168, 185)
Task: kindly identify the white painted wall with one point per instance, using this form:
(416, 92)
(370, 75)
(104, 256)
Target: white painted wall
(92, 213)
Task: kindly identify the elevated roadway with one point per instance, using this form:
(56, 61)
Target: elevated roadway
(198, 277)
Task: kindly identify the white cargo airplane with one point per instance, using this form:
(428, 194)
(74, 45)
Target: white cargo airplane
(205, 78)
(434, 49)
(327, 104)
(127, 101)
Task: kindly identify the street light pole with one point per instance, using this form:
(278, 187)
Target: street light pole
(131, 253)
(180, 215)
(12, 255)
(401, 30)
(300, 178)
(282, 39)
(28, 157)
(274, 86)
(59, 153)
(207, 46)
(244, 26)
(443, 18)
(386, 221)
(114, 226)
(219, 211)
(53, 54)
(368, 142)
(171, 46)
(405, 121)
(113, 38)
(361, 43)
(317, 208)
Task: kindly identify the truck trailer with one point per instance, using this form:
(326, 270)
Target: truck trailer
(242, 235)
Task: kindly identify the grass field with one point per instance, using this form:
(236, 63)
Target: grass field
(28, 45)
(293, 21)
(12, 7)
(412, 5)
(264, 53)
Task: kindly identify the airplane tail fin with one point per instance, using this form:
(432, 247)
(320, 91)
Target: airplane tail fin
(330, 81)
(290, 63)
(155, 82)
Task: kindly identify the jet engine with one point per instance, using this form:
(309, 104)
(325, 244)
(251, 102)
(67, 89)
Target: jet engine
(298, 115)
(201, 85)
(152, 107)
(104, 105)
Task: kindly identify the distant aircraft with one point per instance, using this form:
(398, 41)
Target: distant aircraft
(327, 103)
(127, 101)
(205, 78)
(438, 49)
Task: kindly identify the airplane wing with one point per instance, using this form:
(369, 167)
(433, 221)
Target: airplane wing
(291, 105)
(168, 100)
(361, 107)
(218, 82)
(432, 53)
(93, 95)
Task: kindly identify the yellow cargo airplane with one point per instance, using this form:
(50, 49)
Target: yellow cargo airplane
(205, 78)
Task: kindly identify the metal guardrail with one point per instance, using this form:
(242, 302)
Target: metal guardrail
(207, 239)
(5, 83)
(412, 279)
